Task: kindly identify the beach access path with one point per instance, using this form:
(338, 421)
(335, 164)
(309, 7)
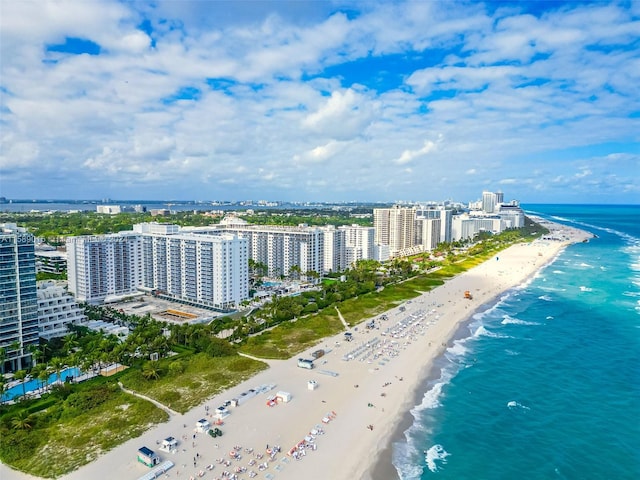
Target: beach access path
(363, 389)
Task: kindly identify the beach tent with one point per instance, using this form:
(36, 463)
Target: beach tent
(203, 425)
(148, 457)
(312, 384)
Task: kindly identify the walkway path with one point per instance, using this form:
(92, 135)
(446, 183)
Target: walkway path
(155, 402)
(268, 361)
(344, 322)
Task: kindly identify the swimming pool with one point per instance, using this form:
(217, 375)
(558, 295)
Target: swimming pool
(271, 284)
(34, 383)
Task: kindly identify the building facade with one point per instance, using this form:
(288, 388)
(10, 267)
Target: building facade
(18, 297)
(51, 261)
(208, 270)
(395, 227)
(103, 266)
(57, 309)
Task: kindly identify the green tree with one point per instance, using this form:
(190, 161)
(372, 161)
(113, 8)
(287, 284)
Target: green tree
(57, 363)
(22, 421)
(21, 375)
(151, 370)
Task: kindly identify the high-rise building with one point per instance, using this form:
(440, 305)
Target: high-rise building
(208, 270)
(101, 266)
(18, 297)
(441, 212)
(428, 233)
(282, 249)
(491, 200)
(359, 243)
(334, 247)
(395, 227)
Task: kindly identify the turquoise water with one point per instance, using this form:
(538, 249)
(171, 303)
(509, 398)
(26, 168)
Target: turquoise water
(34, 384)
(545, 383)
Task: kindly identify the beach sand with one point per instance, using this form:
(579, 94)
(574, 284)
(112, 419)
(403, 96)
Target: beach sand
(363, 401)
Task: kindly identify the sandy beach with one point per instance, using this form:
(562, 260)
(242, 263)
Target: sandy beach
(363, 390)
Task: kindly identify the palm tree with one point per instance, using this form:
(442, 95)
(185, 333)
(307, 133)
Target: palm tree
(43, 376)
(22, 421)
(57, 363)
(151, 371)
(36, 353)
(69, 342)
(21, 375)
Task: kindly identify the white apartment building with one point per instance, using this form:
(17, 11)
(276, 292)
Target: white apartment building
(102, 266)
(466, 227)
(334, 246)
(428, 233)
(359, 243)
(395, 227)
(206, 269)
(444, 214)
(56, 310)
(283, 249)
(491, 200)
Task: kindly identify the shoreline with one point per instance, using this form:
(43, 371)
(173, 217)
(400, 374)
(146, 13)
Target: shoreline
(377, 391)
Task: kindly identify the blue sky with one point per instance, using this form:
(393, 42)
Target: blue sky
(324, 101)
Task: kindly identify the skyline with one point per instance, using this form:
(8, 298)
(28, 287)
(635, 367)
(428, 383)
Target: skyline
(320, 101)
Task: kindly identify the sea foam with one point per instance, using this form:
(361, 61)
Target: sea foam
(507, 320)
(436, 454)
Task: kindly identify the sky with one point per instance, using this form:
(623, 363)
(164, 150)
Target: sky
(320, 101)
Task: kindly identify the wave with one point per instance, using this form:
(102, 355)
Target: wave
(546, 298)
(512, 353)
(507, 320)
(436, 453)
(585, 289)
(457, 349)
(483, 332)
(513, 405)
(558, 272)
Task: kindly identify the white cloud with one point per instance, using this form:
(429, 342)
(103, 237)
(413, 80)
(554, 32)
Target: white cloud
(410, 155)
(283, 98)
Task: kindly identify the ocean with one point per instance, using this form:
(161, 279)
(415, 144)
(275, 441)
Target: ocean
(545, 383)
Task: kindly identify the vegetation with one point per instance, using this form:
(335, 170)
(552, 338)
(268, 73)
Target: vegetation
(73, 426)
(184, 382)
(55, 227)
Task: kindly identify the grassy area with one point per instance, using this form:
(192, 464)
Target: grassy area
(290, 338)
(74, 432)
(195, 379)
